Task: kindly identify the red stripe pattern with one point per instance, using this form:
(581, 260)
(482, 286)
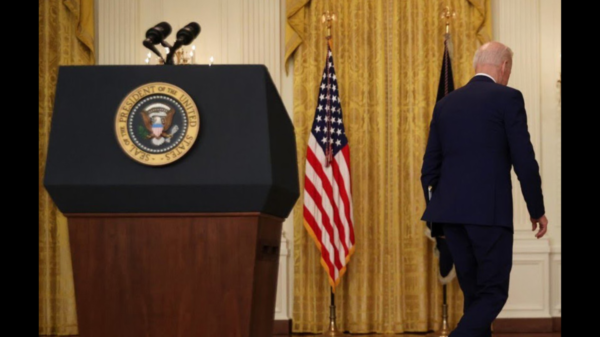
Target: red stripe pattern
(327, 186)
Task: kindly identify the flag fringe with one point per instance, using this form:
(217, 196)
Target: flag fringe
(452, 274)
(333, 283)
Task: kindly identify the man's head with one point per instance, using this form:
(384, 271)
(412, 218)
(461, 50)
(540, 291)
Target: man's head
(494, 59)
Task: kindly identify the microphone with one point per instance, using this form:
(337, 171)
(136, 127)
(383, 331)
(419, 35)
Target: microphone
(156, 35)
(188, 33)
(185, 36)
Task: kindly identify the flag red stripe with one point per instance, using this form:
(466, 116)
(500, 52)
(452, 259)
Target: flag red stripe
(339, 179)
(346, 153)
(308, 217)
(316, 196)
(341, 197)
(317, 166)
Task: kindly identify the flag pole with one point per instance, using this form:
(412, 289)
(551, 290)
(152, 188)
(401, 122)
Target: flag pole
(332, 330)
(327, 18)
(444, 331)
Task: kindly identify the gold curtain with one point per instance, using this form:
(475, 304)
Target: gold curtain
(388, 59)
(66, 37)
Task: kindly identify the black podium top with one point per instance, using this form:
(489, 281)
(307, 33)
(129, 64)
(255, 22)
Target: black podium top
(244, 159)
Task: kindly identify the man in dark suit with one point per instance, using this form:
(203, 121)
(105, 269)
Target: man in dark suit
(476, 134)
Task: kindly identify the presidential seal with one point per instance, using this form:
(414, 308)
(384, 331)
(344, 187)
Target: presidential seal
(157, 123)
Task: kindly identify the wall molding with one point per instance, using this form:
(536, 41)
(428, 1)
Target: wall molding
(118, 35)
(555, 281)
(233, 31)
(283, 290)
(529, 291)
(531, 28)
(517, 24)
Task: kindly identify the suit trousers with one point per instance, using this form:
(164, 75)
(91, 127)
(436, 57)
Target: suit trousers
(483, 260)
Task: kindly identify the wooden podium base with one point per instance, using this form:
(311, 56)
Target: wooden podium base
(159, 275)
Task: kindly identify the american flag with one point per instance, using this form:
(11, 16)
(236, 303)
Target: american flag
(327, 189)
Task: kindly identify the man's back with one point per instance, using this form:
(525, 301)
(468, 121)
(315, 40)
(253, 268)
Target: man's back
(477, 133)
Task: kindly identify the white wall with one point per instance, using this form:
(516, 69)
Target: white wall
(245, 31)
(234, 32)
(532, 28)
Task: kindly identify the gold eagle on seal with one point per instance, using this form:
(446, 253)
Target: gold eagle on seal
(157, 119)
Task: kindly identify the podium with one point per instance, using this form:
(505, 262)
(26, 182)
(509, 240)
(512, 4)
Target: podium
(189, 248)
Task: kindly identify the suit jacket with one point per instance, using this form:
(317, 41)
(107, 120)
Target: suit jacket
(477, 133)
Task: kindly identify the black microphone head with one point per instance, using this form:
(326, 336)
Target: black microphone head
(158, 33)
(166, 28)
(188, 33)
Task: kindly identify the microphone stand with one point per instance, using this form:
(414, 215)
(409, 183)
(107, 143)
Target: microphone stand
(172, 51)
(152, 48)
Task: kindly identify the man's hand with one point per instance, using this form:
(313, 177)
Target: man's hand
(543, 222)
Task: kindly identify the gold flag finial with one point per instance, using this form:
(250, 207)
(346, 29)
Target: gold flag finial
(327, 18)
(448, 14)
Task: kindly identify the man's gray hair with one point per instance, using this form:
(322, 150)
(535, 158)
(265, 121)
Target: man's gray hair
(493, 53)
